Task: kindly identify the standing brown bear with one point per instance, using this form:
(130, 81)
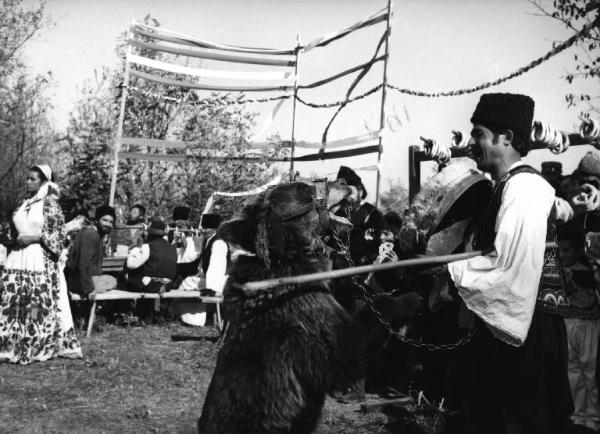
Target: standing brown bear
(285, 347)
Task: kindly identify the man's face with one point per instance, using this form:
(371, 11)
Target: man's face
(485, 148)
(105, 224)
(134, 214)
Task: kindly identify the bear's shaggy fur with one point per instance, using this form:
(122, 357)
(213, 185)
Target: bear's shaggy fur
(286, 347)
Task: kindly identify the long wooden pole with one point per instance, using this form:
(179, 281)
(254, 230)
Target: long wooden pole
(364, 269)
(113, 182)
(383, 98)
(293, 153)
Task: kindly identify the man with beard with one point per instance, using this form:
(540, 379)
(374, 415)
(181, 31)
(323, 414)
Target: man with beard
(520, 354)
(83, 270)
(366, 219)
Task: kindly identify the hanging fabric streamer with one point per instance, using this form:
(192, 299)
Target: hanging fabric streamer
(435, 151)
(590, 129)
(544, 133)
(376, 17)
(459, 139)
(253, 192)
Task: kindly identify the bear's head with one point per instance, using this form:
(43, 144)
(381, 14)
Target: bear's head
(291, 225)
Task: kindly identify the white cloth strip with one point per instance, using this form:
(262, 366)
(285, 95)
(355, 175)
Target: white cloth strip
(224, 56)
(267, 121)
(590, 129)
(253, 192)
(209, 86)
(348, 141)
(210, 73)
(173, 144)
(375, 17)
(158, 33)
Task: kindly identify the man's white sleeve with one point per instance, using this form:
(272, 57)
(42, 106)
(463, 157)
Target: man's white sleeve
(138, 256)
(216, 274)
(501, 288)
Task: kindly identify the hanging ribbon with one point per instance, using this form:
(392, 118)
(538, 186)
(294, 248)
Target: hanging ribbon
(376, 17)
(208, 73)
(590, 129)
(208, 86)
(351, 89)
(555, 140)
(179, 38)
(439, 153)
(253, 192)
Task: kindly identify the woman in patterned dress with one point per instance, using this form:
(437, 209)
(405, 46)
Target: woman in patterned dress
(35, 318)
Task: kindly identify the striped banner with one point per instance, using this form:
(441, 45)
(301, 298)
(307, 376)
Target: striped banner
(374, 18)
(215, 54)
(188, 157)
(211, 73)
(209, 86)
(179, 38)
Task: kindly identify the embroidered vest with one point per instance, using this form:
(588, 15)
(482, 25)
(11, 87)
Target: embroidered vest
(551, 295)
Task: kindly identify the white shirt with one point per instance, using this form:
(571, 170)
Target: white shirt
(138, 256)
(216, 274)
(501, 288)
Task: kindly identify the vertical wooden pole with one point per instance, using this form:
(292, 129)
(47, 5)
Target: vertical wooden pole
(414, 172)
(293, 153)
(113, 182)
(383, 98)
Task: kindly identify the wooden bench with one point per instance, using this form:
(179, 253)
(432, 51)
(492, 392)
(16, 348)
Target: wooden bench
(117, 294)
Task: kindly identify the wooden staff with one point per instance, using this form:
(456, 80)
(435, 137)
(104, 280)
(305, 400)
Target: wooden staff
(363, 269)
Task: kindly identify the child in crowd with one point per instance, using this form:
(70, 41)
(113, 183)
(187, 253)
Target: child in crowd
(582, 322)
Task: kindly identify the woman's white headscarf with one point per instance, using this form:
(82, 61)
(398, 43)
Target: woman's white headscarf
(47, 188)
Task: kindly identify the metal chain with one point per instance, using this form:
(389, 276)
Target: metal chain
(344, 249)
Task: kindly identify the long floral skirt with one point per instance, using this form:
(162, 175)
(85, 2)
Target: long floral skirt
(35, 318)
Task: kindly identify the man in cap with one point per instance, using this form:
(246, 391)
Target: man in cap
(154, 264)
(366, 219)
(520, 353)
(83, 269)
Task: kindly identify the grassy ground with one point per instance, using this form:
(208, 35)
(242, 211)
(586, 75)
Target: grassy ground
(131, 380)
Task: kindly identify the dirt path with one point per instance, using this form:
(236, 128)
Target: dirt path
(131, 380)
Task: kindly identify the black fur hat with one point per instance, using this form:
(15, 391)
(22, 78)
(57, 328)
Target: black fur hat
(103, 210)
(352, 179)
(181, 213)
(506, 111)
(210, 221)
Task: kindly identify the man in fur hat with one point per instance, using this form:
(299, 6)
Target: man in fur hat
(520, 354)
(83, 269)
(366, 219)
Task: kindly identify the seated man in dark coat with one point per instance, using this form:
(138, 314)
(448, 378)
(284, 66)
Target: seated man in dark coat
(366, 219)
(154, 264)
(83, 270)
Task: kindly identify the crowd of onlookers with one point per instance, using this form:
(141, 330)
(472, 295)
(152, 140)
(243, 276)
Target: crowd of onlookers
(159, 257)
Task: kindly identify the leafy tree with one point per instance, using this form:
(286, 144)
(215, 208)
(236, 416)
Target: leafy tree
(26, 136)
(215, 125)
(395, 198)
(575, 14)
